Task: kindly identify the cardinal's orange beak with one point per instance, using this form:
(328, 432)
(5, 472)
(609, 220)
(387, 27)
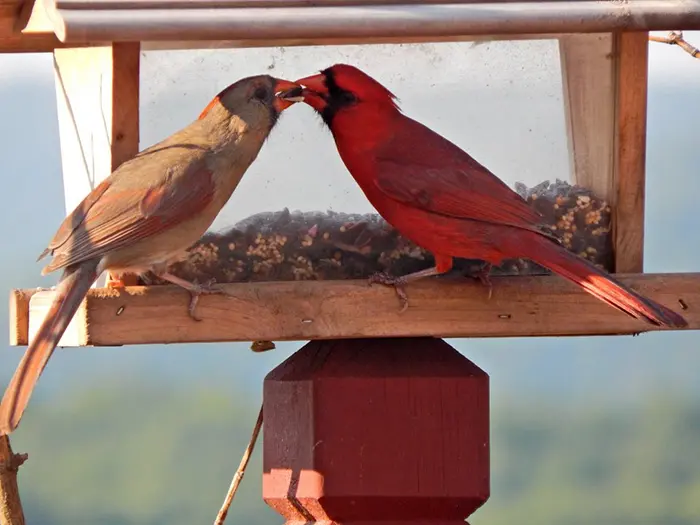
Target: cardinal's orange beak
(286, 94)
(315, 83)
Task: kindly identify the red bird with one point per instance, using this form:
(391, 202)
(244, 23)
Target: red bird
(442, 199)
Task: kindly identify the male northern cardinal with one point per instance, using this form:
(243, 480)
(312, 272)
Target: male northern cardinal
(441, 198)
(148, 212)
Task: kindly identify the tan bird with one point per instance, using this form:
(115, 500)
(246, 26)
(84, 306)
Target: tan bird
(147, 213)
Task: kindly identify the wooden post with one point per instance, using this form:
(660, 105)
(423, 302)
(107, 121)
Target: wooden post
(604, 77)
(97, 92)
(589, 109)
(631, 52)
(390, 431)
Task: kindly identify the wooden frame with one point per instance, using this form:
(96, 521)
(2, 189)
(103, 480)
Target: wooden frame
(605, 108)
(97, 95)
(520, 306)
(587, 67)
(607, 151)
(604, 77)
(604, 82)
(631, 51)
(18, 36)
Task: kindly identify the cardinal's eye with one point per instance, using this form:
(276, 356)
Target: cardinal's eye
(260, 93)
(347, 98)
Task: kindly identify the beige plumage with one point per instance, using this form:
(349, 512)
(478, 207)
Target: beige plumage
(148, 212)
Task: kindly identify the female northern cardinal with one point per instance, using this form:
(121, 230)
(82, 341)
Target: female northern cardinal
(441, 198)
(148, 212)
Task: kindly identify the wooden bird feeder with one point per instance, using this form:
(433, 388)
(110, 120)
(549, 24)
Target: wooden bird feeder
(354, 438)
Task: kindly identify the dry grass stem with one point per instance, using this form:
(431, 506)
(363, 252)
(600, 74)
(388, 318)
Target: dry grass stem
(238, 476)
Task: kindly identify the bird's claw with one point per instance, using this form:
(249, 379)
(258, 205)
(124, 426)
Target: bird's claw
(113, 282)
(482, 274)
(397, 282)
(202, 289)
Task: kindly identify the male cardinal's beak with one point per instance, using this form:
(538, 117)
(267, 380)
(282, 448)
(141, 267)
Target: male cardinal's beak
(315, 91)
(315, 83)
(298, 94)
(286, 94)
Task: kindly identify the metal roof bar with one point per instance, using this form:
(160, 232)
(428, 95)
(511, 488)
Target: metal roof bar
(150, 20)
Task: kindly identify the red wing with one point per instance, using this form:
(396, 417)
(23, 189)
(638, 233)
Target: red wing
(420, 168)
(122, 217)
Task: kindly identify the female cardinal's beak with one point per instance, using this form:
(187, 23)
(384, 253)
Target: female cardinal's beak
(298, 94)
(286, 94)
(315, 83)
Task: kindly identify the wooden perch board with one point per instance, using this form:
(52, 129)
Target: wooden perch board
(302, 310)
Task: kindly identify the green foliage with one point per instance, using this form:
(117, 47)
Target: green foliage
(153, 456)
(599, 465)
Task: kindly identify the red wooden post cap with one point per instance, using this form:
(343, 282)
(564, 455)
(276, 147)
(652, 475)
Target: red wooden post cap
(390, 431)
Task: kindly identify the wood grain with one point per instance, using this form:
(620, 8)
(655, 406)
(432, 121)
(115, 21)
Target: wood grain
(302, 310)
(125, 133)
(370, 431)
(170, 45)
(589, 108)
(8, 15)
(19, 316)
(631, 71)
(126, 60)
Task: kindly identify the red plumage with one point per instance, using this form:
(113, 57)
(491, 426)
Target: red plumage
(442, 199)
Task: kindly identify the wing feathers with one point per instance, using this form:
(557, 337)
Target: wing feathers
(420, 168)
(76, 218)
(122, 217)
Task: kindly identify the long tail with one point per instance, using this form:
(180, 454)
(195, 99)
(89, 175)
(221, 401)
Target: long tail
(74, 285)
(596, 281)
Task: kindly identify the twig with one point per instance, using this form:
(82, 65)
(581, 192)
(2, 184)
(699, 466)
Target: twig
(11, 512)
(675, 38)
(238, 476)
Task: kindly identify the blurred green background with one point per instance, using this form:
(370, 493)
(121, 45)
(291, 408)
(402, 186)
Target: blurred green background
(155, 456)
(584, 430)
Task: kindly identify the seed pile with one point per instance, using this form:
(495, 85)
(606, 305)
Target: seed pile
(288, 246)
(575, 216)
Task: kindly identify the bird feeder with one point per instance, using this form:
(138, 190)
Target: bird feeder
(282, 289)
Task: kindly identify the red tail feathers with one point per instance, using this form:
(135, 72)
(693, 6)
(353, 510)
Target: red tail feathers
(596, 282)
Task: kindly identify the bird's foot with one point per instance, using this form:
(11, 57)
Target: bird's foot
(113, 282)
(483, 275)
(397, 282)
(195, 289)
(198, 290)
